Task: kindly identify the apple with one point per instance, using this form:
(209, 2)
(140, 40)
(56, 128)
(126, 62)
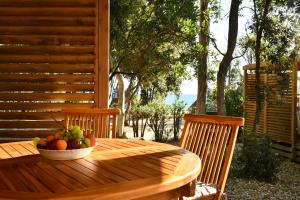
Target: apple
(92, 138)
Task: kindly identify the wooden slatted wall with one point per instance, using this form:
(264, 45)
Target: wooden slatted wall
(53, 55)
(276, 113)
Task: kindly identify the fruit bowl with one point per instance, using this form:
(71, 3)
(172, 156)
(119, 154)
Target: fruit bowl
(69, 154)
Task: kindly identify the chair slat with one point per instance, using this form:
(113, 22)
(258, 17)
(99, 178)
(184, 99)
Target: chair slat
(94, 121)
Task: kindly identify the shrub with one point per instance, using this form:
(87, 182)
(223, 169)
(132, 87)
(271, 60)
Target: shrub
(140, 115)
(234, 102)
(177, 110)
(257, 159)
(158, 114)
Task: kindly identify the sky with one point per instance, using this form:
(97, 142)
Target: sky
(220, 31)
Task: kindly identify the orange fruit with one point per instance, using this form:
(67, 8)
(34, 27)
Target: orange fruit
(50, 138)
(61, 145)
(57, 135)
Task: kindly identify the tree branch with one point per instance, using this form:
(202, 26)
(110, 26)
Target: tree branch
(213, 40)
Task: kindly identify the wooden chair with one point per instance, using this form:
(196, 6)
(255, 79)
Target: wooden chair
(100, 122)
(213, 139)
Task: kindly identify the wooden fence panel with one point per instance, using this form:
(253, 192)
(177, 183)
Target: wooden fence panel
(276, 113)
(49, 60)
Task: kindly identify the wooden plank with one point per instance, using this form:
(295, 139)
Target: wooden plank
(69, 182)
(29, 124)
(46, 87)
(46, 97)
(42, 176)
(294, 110)
(44, 106)
(37, 50)
(44, 67)
(47, 11)
(47, 30)
(102, 58)
(47, 3)
(47, 40)
(48, 20)
(11, 151)
(31, 115)
(47, 59)
(76, 174)
(65, 78)
(21, 134)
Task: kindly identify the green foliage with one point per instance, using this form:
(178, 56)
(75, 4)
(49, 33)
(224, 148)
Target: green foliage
(159, 112)
(147, 41)
(257, 159)
(234, 102)
(177, 110)
(139, 114)
(211, 101)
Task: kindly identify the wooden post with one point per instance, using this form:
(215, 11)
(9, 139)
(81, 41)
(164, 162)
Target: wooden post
(102, 54)
(265, 106)
(294, 107)
(245, 96)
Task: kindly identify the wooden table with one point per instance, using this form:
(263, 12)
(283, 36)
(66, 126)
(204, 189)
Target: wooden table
(116, 169)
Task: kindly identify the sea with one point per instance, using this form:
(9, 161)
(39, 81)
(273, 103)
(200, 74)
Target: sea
(189, 99)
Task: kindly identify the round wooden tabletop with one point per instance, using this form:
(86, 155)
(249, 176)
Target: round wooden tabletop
(116, 169)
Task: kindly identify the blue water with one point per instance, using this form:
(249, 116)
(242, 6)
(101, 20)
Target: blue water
(189, 99)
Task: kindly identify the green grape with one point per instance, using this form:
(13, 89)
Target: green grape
(70, 127)
(77, 134)
(36, 140)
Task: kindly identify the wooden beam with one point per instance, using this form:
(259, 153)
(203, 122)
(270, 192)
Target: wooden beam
(294, 107)
(102, 50)
(265, 106)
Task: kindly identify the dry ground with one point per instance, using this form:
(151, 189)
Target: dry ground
(287, 186)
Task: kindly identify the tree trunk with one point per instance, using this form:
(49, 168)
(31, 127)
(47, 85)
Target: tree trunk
(226, 61)
(202, 59)
(260, 23)
(129, 94)
(121, 95)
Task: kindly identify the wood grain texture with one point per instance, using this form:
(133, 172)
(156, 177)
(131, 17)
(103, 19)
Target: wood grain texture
(114, 170)
(49, 59)
(213, 139)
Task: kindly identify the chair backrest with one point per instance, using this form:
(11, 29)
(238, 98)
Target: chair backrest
(101, 122)
(213, 139)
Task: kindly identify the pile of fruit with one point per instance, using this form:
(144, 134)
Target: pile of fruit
(72, 138)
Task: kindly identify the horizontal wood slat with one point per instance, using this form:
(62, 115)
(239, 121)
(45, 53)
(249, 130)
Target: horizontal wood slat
(29, 124)
(47, 3)
(31, 115)
(47, 78)
(45, 97)
(47, 40)
(23, 133)
(47, 30)
(29, 50)
(47, 11)
(46, 67)
(46, 20)
(44, 106)
(47, 59)
(46, 87)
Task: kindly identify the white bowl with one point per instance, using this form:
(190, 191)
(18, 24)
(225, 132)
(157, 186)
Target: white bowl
(70, 154)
